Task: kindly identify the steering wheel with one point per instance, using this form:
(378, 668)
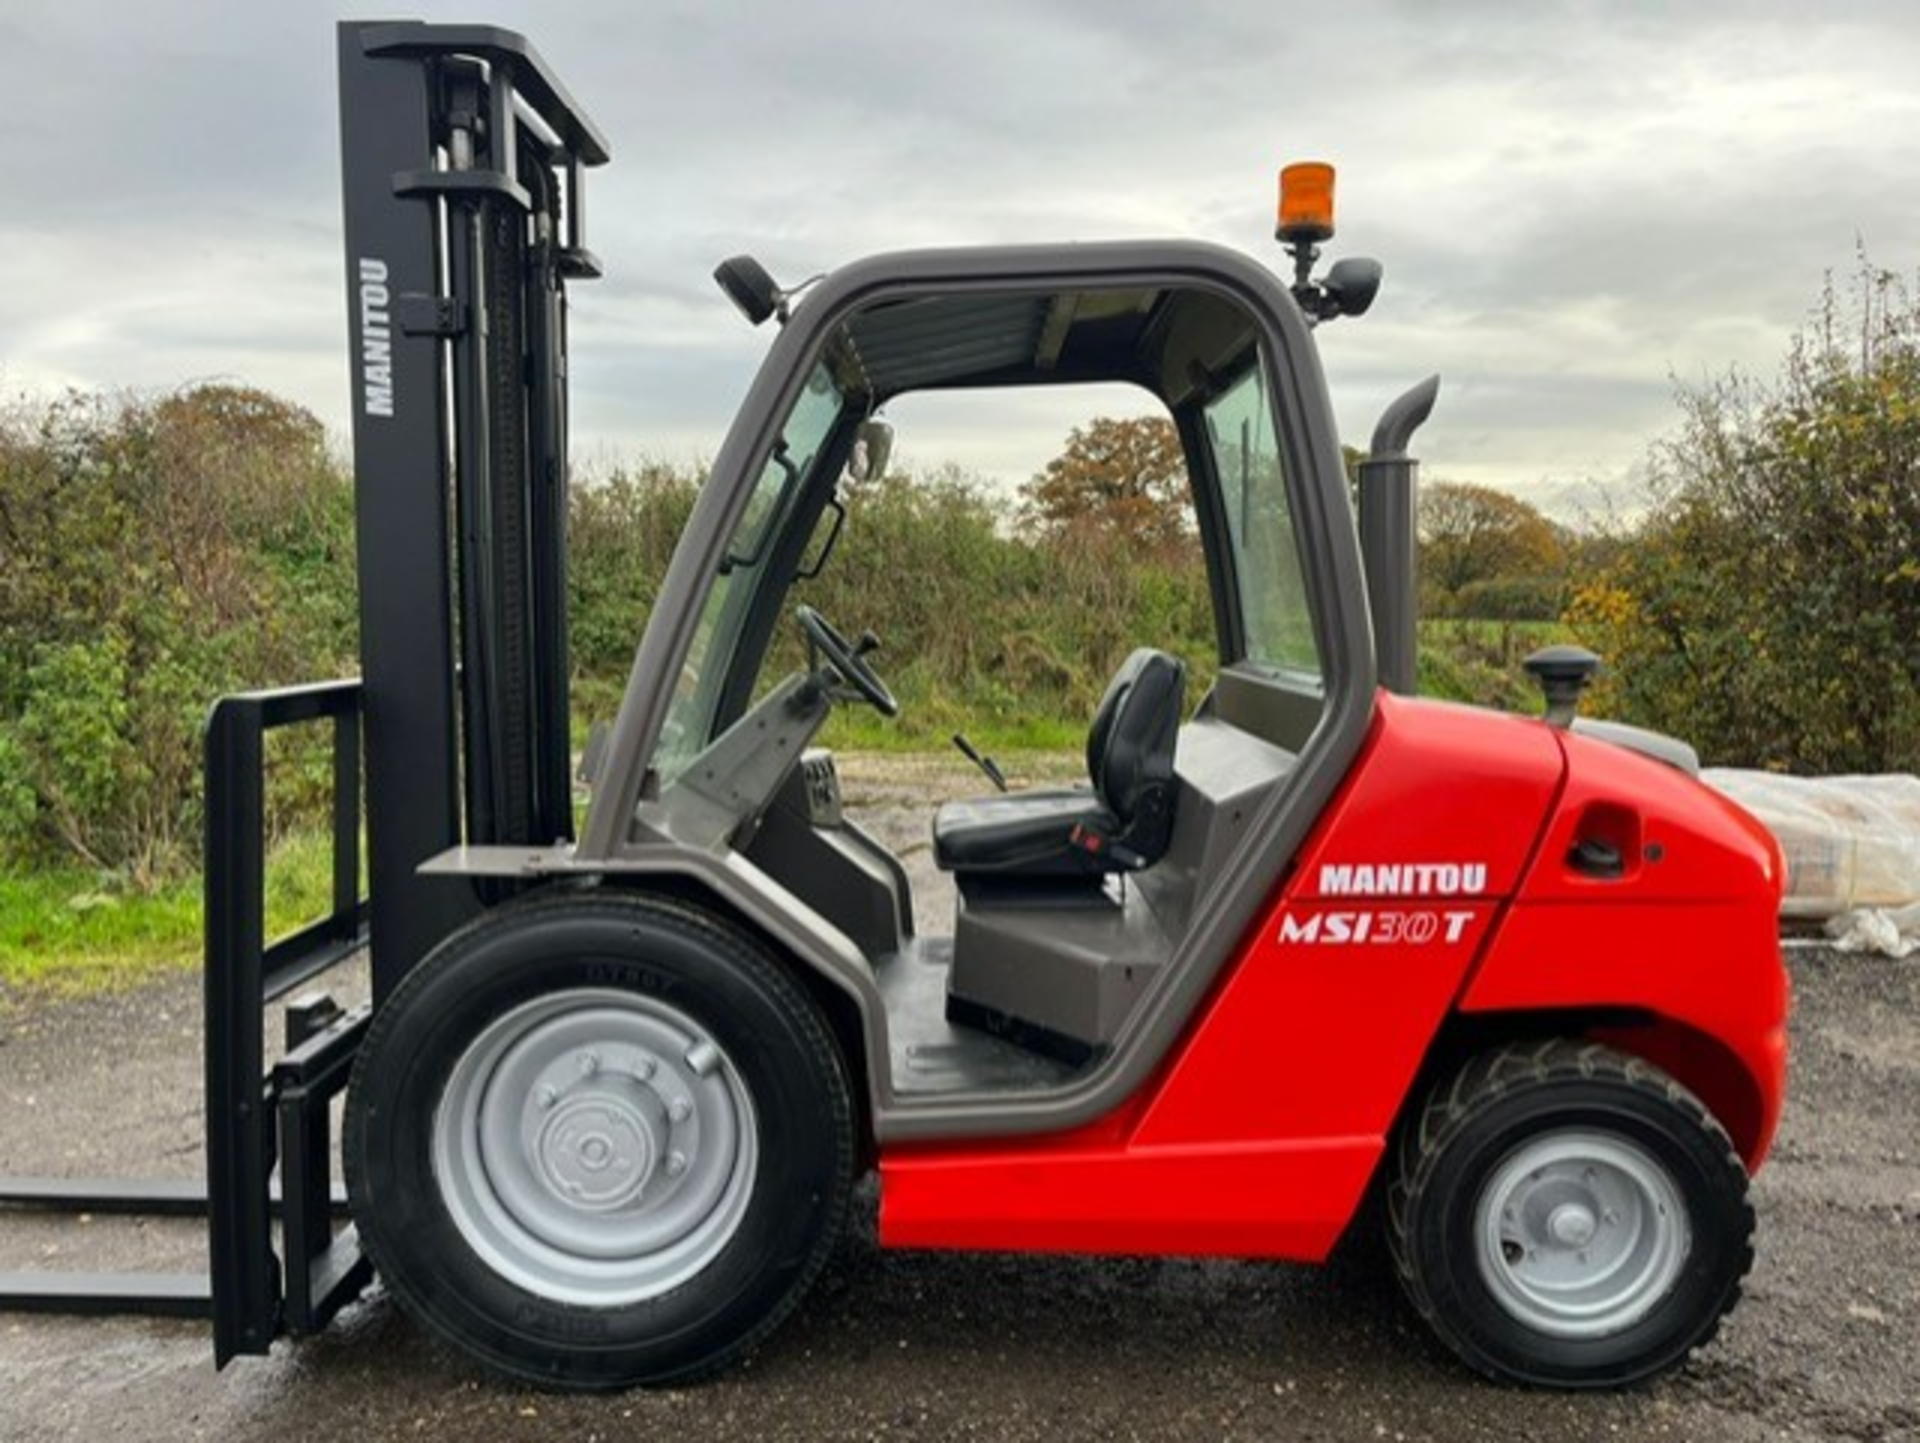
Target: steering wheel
(848, 659)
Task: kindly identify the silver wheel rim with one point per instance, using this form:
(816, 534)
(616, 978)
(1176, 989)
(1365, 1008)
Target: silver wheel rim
(595, 1147)
(1581, 1234)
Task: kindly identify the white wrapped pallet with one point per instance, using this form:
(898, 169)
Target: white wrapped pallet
(1852, 843)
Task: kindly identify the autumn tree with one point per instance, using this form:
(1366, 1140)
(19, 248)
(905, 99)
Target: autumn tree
(1124, 478)
(1472, 536)
(1769, 606)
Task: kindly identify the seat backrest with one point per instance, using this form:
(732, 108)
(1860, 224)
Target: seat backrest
(1130, 745)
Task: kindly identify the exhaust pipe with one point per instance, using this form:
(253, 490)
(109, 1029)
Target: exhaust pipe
(1388, 494)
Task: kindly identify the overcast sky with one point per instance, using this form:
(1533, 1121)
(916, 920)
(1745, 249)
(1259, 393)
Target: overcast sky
(1575, 203)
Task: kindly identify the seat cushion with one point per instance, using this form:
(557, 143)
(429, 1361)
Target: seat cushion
(1028, 832)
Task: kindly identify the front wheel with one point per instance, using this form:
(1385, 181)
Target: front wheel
(1567, 1216)
(599, 1142)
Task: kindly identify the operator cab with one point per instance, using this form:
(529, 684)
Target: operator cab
(1072, 904)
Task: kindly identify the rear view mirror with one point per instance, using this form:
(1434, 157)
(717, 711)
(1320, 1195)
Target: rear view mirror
(749, 287)
(1351, 284)
(872, 449)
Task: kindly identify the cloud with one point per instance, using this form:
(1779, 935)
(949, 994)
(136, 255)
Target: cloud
(1574, 202)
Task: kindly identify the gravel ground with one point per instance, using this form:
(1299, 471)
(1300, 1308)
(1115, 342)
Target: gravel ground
(1825, 1345)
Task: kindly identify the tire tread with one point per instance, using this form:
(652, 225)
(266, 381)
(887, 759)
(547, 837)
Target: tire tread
(1495, 1074)
(696, 924)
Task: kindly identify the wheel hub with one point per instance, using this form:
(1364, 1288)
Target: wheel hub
(598, 1151)
(1581, 1234)
(607, 1127)
(1572, 1225)
(595, 1146)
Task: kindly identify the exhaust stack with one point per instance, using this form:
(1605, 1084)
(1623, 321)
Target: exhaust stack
(1389, 480)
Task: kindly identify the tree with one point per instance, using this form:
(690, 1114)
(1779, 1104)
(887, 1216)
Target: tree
(1123, 477)
(1770, 607)
(157, 553)
(1474, 535)
(621, 530)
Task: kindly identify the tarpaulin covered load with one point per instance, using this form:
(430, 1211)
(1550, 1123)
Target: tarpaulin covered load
(1853, 850)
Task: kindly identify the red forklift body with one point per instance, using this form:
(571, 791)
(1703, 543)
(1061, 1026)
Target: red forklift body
(1685, 941)
(1444, 882)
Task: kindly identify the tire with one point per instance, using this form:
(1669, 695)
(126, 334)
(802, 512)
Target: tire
(599, 1142)
(1566, 1216)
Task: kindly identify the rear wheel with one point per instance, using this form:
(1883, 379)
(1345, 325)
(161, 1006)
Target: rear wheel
(1568, 1216)
(601, 1142)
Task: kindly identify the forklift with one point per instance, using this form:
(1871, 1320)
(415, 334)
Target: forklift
(1298, 942)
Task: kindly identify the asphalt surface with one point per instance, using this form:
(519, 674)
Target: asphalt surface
(1826, 1343)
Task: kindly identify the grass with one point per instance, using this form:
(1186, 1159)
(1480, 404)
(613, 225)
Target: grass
(1460, 660)
(1479, 661)
(71, 932)
(930, 728)
(930, 713)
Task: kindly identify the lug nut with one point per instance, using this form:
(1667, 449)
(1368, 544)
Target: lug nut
(680, 1110)
(589, 1063)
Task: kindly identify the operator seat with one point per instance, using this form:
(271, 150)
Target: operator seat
(1123, 824)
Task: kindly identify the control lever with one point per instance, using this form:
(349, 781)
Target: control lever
(985, 763)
